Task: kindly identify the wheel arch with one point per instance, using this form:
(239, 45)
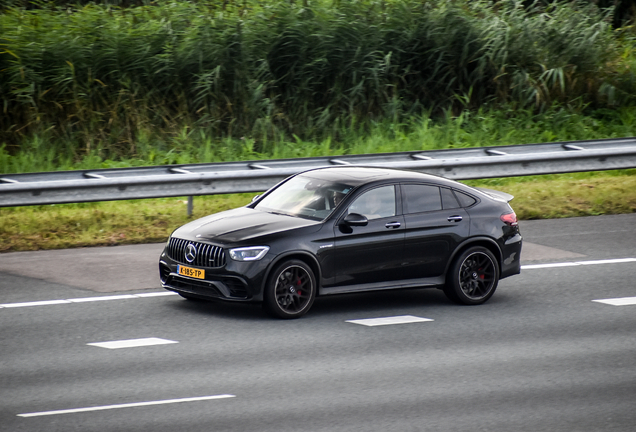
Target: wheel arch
(486, 242)
(303, 256)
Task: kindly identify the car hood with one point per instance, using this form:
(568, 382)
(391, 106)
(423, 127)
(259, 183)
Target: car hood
(239, 225)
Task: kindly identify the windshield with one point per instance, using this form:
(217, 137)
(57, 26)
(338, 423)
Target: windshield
(305, 197)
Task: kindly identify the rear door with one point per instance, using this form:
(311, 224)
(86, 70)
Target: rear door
(435, 225)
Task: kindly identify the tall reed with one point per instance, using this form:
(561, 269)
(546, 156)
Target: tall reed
(108, 79)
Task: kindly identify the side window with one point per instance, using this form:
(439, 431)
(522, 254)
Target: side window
(421, 198)
(448, 199)
(465, 200)
(376, 203)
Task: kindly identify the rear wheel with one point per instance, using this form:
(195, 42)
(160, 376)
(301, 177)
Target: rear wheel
(290, 290)
(473, 277)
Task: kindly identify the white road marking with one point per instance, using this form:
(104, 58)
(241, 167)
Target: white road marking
(167, 293)
(622, 301)
(548, 265)
(35, 303)
(102, 298)
(128, 405)
(88, 299)
(403, 319)
(132, 343)
(578, 263)
(157, 294)
(608, 261)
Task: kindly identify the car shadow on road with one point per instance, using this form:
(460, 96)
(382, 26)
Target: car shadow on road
(221, 309)
(342, 306)
(382, 302)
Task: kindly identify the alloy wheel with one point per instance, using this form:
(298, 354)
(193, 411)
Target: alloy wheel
(477, 276)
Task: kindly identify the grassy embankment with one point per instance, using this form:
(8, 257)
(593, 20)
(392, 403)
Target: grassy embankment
(140, 221)
(134, 222)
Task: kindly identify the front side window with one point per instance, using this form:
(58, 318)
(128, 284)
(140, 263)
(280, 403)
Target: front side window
(304, 196)
(376, 203)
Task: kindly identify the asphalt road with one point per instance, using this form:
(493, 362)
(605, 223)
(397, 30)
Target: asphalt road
(541, 355)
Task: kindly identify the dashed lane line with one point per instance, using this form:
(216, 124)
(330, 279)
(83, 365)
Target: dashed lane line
(403, 319)
(577, 263)
(127, 405)
(87, 299)
(167, 293)
(132, 343)
(622, 301)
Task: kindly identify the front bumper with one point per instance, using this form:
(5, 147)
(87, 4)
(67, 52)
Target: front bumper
(235, 281)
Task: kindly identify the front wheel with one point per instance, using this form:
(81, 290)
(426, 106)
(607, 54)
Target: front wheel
(473, 277)
(290, 290)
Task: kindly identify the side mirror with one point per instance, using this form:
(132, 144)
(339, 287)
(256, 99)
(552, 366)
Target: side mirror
(256, 197)
(355, 219)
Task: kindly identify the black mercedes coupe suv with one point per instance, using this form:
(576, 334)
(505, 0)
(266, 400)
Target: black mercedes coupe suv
(343, 230)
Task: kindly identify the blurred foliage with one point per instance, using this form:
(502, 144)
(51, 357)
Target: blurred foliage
(110, 77)
(477, 128)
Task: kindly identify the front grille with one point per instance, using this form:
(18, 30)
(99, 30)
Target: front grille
(228, 288)
(206, 255)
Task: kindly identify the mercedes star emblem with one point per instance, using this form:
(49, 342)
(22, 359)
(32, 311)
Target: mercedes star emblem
(190, 253)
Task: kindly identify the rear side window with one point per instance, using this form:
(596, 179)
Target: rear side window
(448, 199)
(421, 198)
(465, 200)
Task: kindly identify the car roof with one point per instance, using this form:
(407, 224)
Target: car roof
(359, 175)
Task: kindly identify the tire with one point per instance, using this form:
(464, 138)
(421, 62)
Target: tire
(290, 290)
(473, 277)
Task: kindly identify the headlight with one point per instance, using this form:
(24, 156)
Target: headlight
(253, 253)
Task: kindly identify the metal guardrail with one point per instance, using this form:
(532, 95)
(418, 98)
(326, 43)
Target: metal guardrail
(256, 176)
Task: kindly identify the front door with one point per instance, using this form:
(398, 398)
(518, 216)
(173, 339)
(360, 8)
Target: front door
(370, 254)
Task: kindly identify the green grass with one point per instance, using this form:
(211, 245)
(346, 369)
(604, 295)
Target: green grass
(569, 195)
(102, 223)
(177, 82)
(479, 128)
(146, 221)
(141, 221)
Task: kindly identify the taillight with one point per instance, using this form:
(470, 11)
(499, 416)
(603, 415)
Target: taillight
(509, 219)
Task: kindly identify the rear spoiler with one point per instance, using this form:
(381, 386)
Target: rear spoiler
(498, 195)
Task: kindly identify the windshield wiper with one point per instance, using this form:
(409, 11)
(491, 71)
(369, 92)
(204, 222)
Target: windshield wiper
(280, 214)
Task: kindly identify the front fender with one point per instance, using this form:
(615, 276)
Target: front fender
(305, 256)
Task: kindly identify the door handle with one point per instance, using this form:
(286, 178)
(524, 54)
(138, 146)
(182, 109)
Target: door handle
(455, 218)
(393, 225)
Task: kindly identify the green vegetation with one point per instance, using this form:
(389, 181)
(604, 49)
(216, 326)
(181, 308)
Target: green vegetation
(569, 195)
(122, 83)
(146, 221)
(468, 129)
(101, 81)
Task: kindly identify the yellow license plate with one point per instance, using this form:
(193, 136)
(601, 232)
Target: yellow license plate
(191, 272)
